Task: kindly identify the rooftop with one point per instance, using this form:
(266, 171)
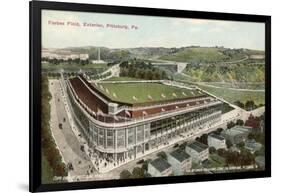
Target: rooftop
(143, 92)
(197, 146)
(160, 164)
(219, 137)
(236, 130)
(180, 155)
(252, 144)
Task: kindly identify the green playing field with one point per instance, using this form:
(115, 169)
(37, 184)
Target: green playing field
(145, 92)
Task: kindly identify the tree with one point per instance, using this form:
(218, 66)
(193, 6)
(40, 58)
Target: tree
(149, 75)
(164, 75)
(162, 155)
(157, 75)
(145, 164)
(240, 122)
(228, 144)
(246, 158)
(218, 131)
(241, 144)
(138, 172)
(183, 145)
(250, 105)
(239, 104)
(212, 150)
(259, 137)
(125, 174)
(203, 139)
(230, 124)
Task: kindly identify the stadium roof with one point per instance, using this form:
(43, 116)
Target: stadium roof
(180, 155)
(141, 92)
(197, 146)
(160, 164)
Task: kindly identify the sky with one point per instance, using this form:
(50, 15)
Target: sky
(146, 31)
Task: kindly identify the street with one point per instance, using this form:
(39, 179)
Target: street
(66, 141)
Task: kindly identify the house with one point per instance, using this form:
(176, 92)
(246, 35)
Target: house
(255, 123)
(216, 141)
(236, 134)
(180, 161)
(252, 145)
(198, 151)
(159, 167)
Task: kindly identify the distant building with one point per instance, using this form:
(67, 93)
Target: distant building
(61, 54)
(198, 151)
(252, 145)
(216, 141)
(84, 56)
(236, 134)
(159, 167)
(180, 161)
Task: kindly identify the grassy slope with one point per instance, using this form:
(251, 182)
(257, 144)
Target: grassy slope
(196, 55)
(229, 95)
(233, 95)
(209, 54)
(52, 164)
(240, 73)
(125, 92)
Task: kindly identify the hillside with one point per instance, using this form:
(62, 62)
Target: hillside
(206, 55)
(193, 54)
(230, 73)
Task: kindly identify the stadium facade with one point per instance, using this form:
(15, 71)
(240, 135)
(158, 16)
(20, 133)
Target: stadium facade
(119, 131)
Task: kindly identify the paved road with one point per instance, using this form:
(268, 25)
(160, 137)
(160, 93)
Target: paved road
(235, 61)
(66, 140)
(114, 71)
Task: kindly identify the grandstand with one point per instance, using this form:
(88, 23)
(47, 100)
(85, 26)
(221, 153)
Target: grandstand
(122, 121)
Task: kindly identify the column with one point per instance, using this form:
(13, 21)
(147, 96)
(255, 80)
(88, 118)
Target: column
(105, 138)
(115, 145)
(135, 131)
(126, 137)
(143, 133)
(115, 140)
(98, 133)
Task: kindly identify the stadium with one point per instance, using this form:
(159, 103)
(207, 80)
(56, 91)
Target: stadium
(124, 120)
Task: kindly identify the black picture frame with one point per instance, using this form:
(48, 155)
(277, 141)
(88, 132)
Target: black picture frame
(35, 184)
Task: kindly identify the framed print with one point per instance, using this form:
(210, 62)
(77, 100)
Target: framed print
(126, 96)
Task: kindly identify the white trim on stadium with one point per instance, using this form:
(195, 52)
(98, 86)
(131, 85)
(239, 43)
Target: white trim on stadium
(125, 140)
